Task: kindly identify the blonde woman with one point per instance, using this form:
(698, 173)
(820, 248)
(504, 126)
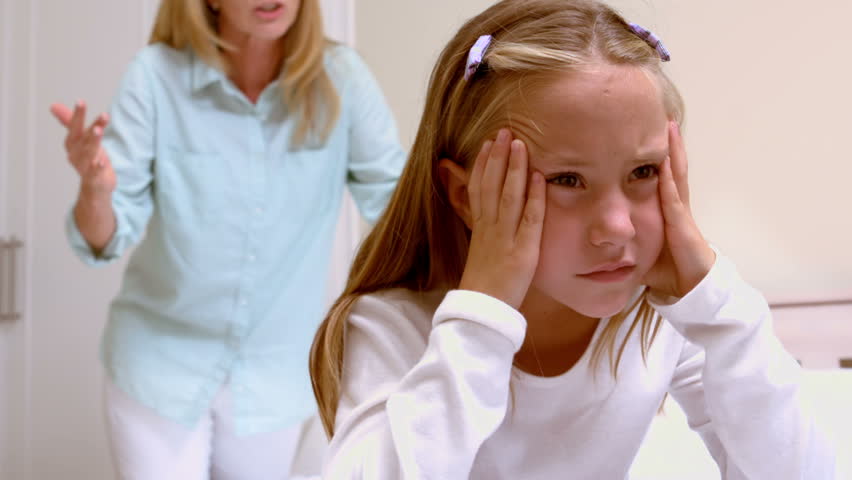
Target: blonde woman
(226, 152)
(555, 286)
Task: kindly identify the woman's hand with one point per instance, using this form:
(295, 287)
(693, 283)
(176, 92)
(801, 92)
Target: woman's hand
(686, 257)
(85, 153)
(507, 213)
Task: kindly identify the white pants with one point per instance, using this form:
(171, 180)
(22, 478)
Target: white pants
(146, 446)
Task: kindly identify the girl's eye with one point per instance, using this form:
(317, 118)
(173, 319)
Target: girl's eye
(645, 171)
(569, 180)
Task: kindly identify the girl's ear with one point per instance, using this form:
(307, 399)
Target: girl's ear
(454, 178)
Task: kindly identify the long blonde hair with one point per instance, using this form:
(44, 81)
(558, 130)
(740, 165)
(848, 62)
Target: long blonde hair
(420, 243)
(305, 85)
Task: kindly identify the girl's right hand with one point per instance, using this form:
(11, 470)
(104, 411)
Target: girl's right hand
(507, 214)
(84, 149)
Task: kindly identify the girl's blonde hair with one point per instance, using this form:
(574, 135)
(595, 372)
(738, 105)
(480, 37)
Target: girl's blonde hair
(420, 243)
(305, 85)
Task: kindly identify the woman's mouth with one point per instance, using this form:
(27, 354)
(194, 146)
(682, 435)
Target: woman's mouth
(269, 10)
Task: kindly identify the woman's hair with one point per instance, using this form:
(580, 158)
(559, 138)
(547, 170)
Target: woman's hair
(420, 243)
(305, 84)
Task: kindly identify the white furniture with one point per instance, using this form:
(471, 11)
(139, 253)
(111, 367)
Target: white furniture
(673, 452)
(819, 334)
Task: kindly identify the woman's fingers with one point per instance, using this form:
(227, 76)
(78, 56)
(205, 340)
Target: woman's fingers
(101, 121)
(62, 113)
(102, 160)
(96, 134)
(83, 147)
(78, 119)
(494, 176)
(91, 144)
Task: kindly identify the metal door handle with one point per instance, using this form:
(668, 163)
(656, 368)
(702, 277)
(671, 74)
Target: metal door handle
(8, 256)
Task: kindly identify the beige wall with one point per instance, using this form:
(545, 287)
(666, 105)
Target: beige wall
(768, 88)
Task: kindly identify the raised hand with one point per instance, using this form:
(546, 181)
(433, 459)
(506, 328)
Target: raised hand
(687, 257)
(83, 146)
(507, 207)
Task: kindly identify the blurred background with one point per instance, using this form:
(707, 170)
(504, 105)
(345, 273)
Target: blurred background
(768, 129)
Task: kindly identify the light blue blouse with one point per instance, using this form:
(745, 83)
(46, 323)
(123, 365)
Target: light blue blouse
(228, 282)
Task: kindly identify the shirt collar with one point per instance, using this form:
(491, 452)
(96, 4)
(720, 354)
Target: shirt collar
(203, 74)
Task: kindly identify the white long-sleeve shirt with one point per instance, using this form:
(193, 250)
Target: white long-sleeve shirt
(426, 392)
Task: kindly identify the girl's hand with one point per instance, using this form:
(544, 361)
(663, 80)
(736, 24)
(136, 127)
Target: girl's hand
(507, 213)
(686, 257)
(84, 149)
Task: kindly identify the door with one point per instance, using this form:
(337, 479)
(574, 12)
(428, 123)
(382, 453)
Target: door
(13, 176)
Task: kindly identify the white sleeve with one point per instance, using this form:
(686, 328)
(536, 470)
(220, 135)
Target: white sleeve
(416, 409)
(738, 386)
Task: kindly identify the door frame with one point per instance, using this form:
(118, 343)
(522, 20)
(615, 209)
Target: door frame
(16, 170)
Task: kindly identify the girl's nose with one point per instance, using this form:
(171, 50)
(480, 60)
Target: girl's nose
(612, 224)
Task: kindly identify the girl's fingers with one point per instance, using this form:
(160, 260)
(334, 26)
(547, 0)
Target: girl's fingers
(474, 182)
(677, 153)
(532, 222)
(514, 188)
(670, 200)
(494, 176)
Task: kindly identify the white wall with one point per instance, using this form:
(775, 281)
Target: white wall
(67, 301)
(769, 113)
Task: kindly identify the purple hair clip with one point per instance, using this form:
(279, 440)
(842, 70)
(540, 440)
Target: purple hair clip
(474, 56)
(651, 40)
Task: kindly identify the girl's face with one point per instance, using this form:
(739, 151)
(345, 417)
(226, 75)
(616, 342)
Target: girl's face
(255, 19)
(599, 137)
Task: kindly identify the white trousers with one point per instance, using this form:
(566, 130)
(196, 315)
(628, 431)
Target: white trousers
(146, 446)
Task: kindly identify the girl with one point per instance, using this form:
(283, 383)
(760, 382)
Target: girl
(523, 307)
(230, 140)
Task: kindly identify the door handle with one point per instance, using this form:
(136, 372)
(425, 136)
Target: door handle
(9, 269)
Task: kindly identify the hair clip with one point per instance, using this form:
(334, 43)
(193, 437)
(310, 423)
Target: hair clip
(474, 56)
(652, 40)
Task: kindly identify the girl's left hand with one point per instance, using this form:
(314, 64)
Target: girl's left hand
(686, 257)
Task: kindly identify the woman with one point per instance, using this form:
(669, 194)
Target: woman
(228, 146)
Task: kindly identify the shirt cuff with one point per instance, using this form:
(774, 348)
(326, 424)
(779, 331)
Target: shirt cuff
(82, 249)
(484, 310)
(703, 302)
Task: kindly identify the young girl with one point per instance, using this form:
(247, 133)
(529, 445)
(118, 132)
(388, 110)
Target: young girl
(524, 306)
(227, 150)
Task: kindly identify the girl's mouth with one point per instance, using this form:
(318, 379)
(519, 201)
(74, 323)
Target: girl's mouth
(610, 276)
